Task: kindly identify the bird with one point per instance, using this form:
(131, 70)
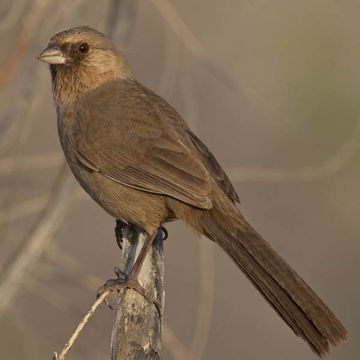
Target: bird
(135, 155)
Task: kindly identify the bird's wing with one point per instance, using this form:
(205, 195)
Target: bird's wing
(137, 150)
(214, 168)
(202, 152)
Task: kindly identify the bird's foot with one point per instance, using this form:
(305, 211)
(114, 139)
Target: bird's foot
(124, 282)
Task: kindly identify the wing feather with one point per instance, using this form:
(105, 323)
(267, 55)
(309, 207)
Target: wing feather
(134, 137)
(156, 165)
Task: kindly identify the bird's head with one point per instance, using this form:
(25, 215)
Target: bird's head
(82, 59)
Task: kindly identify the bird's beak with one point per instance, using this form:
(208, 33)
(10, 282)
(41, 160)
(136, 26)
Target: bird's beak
(53, 55)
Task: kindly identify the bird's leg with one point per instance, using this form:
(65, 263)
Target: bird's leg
(130, 281)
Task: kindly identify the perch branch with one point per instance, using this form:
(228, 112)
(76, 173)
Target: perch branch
(137, 326)
(58, 257)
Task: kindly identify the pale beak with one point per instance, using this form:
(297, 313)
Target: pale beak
(53, 55)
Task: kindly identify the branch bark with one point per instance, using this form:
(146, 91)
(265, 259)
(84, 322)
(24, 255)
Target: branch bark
(137, 327)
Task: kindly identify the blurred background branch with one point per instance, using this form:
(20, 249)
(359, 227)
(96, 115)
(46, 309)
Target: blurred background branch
(19, 268)
(12, 14)
(30, 23)
(347, 152)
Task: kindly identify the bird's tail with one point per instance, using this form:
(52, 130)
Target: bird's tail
(282, 287)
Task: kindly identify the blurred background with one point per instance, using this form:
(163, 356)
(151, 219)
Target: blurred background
(272, 87)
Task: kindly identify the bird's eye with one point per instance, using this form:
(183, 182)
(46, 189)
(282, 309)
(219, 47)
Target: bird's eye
(83, 48)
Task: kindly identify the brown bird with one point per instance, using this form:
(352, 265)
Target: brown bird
(138, 159)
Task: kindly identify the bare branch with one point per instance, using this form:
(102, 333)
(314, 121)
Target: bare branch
(137, 328)
(66, 306)
(149, 335)
(172, 343)
(81, 326)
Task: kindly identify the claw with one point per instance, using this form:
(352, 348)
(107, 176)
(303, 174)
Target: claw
(119, 273)
(121, 283)
(125, 281)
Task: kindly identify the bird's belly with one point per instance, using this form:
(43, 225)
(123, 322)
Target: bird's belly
(143, 209)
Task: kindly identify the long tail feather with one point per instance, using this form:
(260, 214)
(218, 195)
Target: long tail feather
(283, 288)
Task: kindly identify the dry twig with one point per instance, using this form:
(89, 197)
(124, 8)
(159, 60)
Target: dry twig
(81, 326)
(171, 342)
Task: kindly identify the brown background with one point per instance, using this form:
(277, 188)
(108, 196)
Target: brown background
(272, 87)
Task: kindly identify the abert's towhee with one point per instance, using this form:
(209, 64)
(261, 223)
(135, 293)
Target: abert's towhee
(138, 159)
